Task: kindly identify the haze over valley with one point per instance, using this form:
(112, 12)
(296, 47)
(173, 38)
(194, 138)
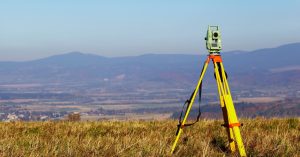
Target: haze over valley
(264, 82)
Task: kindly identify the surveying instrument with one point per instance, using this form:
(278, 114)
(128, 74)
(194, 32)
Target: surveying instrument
(231, 123)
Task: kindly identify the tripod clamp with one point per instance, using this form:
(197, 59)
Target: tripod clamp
(232, 125)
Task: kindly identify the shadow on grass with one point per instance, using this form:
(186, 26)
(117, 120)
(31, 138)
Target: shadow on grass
(220, 144)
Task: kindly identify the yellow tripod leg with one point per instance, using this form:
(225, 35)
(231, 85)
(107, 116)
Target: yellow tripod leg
(228, 104)
(225, 117)
(190, 105)
(232, 116)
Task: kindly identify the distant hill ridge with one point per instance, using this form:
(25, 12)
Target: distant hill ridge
(149, 67)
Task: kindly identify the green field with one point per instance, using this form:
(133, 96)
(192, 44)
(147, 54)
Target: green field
(262, 137)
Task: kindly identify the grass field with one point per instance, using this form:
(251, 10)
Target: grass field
(262, 137)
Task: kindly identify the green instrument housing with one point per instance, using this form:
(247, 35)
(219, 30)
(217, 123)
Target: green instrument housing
(213, 40)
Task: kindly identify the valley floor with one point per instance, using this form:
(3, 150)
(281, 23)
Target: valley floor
(262, 137)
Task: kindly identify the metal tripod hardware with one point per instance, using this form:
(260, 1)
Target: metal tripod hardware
(231, 122)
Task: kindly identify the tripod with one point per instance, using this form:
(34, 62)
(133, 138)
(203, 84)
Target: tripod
(231, 122)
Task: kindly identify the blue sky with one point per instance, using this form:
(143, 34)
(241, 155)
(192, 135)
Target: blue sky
(38, 28)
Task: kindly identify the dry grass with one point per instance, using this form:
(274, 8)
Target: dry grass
(128, 116)
(262, 137)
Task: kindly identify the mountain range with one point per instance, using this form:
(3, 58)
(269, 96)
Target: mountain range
(274, 66)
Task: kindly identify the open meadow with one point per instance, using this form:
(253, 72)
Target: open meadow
(262, 137)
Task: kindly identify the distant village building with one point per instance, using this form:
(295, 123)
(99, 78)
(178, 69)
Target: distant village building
(44, 118)
(21, 116)
(11, 118)
(75, 116)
